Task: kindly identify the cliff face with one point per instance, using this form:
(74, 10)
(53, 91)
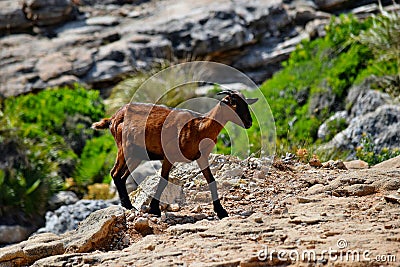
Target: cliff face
(289, 208)
(48, 43)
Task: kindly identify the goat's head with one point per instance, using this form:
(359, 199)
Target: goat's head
(238, 103)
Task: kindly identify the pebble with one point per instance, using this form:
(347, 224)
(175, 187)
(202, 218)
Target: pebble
(388, 226)
(142, 226)
(197, 209)
(258, 219)
(392, 198)
(174, 207)
(304, 200)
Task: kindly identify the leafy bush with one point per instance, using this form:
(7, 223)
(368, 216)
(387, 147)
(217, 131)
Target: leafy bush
(368, 153)
(42, 136)
(323, 68)
(96, 161)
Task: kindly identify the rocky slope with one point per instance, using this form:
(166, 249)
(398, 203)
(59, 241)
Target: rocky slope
(48, 43)
(290, 208)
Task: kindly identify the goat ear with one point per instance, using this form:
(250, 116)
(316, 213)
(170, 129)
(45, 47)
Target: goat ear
(251, 101)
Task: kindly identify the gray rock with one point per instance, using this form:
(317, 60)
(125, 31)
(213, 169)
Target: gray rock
(147, 168)
(82, 61)
(59, 65)
(326, 129)
(14, 233)
(12, 17)
(107, 70)
(173, 192)
(62, 198)
(48, 12)
(254, 36)
(381, 125)
(335, 5)
(101, 230)
(362, 99)
(67, 217)
(103, 21)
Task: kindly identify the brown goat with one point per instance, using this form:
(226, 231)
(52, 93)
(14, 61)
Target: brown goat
(153, 132)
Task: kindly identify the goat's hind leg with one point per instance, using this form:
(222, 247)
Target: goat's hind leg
(120, 172)
(155, 202)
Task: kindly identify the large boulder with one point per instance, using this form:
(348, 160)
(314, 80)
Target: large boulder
(381, 125)
(12, 17)
(362, 98)
(48, 12)
(68, 217)
(112, 39)
(338, 5)
(103, 230)
(369, 113)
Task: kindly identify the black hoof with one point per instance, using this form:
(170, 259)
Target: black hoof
(155, 208)
(127, 205)
(222, 213)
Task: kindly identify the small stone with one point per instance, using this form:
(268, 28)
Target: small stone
(258, 219)
(315, 162)
(306, 220)
(103, 21)
(331, 164)
(142, 226)
(150, 247)
(323, 213)
(202, 197)
(303, 200)
(392, 198)
(379, 207)
(199, 217)
(126, 240)
(131, 217)
(356, 164)
(174, 207)
(388, 226)
(246, 213)
(196, 209)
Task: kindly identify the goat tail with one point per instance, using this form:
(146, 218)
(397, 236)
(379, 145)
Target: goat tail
(103, 124)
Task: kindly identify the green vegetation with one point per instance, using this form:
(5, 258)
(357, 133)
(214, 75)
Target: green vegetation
(315, 79)
(43, 139)
(368, 153)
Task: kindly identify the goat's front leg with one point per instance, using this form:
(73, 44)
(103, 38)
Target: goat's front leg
(212, 184)
(155, 202)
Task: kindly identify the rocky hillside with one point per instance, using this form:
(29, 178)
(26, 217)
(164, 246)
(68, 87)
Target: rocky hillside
(48, 43)
(289, 208)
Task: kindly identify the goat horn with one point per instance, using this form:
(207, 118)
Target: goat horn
(225, 92)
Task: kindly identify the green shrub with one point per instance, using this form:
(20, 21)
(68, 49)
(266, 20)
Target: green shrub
(368, 153)
(318, 69)
(96, 161)
(42, 136)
